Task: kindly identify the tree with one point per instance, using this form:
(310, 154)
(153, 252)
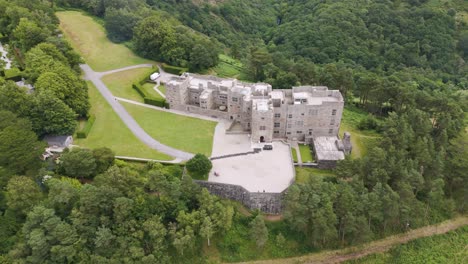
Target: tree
(20, 149)
(28, 34)
(78, 163)
(22, 194)
(120, 23)
(104, 159)
(257, 59)
(49, 115)
(154, 38)
(258, 231)
(203, 56)
(206, 229)
(199, 166)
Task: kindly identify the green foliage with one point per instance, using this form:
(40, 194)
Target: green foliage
(83, 133)
(78, 163)
(22, 193)
(13, 74)
(173, 69)
(258, 231)
(199, 166)
(160, 102)
(104, 158)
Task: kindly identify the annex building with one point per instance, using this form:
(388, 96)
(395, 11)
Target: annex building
(310, 114)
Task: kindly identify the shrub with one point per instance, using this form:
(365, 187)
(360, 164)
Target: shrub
(13, 74)
(139, 89)
(155, 102)
(199, 167)
(368, 123)
(146, 78)
(87, 128)
(174, 69)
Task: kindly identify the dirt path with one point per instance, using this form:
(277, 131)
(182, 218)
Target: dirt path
(379, 246)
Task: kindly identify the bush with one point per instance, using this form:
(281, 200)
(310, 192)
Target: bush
(146, 78)
(139, 89)
(368, 123)
(13, 74)
(173, 69)
(156, 102)
(199, 167)
(87, 128)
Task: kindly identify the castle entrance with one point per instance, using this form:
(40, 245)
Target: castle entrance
(262, 139)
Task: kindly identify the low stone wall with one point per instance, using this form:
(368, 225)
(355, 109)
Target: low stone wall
(270, 203)
(201, 111)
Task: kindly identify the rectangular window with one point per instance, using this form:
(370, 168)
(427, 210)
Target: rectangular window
(313, 112)
(276, 132)
(263, 118)
(330, 131)
(289, 125)
(248, 124)
(234, 99)
(299, 123)
(332, 122)
(289, 133)
(290, 115)
(277, 115)
(299, 132)
(223, 97)
(334, 112)
(262, 127)
(277, 124)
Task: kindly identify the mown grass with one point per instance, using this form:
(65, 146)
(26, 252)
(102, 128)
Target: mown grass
(229, 67)
(446, 248)
(120, 83)
(89, 38)
(306, 154)
(303, 174)
(149, 89)
(109, 131)
(185, 133)
(361, 140)
(294, 154)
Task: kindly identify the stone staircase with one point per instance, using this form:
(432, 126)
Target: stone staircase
(236, 154)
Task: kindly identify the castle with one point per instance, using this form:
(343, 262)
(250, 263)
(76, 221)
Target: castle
(310, 114)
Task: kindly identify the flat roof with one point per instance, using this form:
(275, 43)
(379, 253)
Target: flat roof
(326, 148)
(261, 105)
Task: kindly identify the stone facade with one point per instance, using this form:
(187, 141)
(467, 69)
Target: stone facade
(270, 203)
(297, 114)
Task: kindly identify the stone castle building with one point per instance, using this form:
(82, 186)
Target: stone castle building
(306, 113)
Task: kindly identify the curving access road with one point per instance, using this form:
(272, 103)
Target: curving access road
(129, 121)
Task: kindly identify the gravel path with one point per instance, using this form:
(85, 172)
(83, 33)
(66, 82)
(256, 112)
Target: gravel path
(129, 121)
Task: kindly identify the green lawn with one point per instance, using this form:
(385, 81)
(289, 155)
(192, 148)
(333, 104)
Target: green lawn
(149, 89)
(303, 174)
(294, 154)
(180, 132)
(306, 155)
(162, 88)
(89, 38)
(109, 131)
(361, 140)
(120, 84)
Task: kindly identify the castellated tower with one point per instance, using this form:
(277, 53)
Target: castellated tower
(262, 121)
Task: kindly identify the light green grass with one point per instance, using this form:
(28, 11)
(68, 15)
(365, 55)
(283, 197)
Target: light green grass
(362, 141)
(109, 131)
(162, 88)
(294, 154)
(306, 155)
(185, 133)
(120, 83)
(89, 38)
(149, 89)
(303, 174)
(229, 68)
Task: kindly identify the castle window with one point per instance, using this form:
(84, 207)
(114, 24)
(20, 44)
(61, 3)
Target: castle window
(234, 99)
(262, 127)
(276, 132)
(248, 124)
(263, 118)
(289, 133)
(299, 123)
(330, 131)
(277, 124)
(277, 115)
(290, 116)
(334, 112)
(313, 112)
(289, 125)
(332, 122)
(299, 132)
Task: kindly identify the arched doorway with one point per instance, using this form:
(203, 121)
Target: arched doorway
(262, 139)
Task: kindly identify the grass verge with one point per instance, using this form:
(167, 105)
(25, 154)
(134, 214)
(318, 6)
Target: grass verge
(180, 132)
(109, 131)
(120, 84)
(89, 38)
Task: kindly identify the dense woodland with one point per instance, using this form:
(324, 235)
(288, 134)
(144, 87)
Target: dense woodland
(402, 61)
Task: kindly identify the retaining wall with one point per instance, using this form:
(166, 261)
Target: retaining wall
(270, 203)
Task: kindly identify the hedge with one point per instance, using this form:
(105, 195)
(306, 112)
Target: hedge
(146, 78)
(173, 69)
(87, 128)
(148, 99)
(13, 74)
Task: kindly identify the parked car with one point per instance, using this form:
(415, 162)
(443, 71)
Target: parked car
(268, 147)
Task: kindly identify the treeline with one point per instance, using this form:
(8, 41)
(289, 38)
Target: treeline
(154, 34)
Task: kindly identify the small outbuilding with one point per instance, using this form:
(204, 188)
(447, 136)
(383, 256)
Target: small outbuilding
(154, 76)
(58, 143)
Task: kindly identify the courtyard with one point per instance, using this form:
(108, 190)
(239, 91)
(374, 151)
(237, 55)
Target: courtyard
(267, 171)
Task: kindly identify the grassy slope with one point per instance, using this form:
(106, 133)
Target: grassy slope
(447, 248)
(120, 84)
(89, 38)
(109, 131)
(181, 132)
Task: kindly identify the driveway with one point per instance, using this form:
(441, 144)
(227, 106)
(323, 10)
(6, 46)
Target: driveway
(128, 120)
(267, 171)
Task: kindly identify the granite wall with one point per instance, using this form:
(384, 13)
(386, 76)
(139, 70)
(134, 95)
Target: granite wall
(270, 203)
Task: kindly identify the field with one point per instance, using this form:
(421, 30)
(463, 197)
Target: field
(89, 38)
(306, 155)
(120, 84)
(109, 131)
(361, 140)
(446, 248)
(181, 132)
(303, 174)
